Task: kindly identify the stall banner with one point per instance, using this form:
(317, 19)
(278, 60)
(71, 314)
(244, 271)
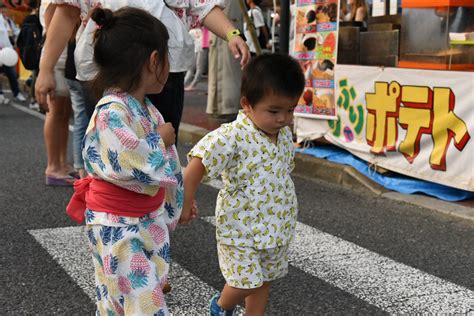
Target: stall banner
(316, 48)
(416, 122)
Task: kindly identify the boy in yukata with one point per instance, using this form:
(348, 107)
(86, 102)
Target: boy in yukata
(256, 208)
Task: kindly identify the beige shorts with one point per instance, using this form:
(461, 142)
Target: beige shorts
(248, 268)
(62, 89)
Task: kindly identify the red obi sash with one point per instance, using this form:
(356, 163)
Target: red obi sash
(103, 196)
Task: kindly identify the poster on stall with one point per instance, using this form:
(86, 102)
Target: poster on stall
(315, 48)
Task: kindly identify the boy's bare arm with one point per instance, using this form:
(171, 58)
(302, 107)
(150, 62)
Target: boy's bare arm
(192, 177)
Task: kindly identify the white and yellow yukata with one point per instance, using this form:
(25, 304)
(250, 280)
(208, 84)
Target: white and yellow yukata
(256, 209)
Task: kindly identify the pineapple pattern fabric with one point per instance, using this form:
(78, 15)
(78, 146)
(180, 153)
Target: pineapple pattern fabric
(257, 205)
(131, 254)
(131, 258)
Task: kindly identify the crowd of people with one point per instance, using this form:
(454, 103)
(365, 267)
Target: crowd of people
(8, 34)
(122, 68)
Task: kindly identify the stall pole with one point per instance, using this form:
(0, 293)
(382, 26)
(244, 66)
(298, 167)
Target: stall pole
(284, 26)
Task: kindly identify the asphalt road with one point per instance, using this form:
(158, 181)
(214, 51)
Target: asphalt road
(354, 253)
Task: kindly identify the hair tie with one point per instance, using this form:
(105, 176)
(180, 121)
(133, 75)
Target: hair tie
(102, 17)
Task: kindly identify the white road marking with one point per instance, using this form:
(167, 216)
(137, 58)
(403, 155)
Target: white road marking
(68, 246)
(391, 286)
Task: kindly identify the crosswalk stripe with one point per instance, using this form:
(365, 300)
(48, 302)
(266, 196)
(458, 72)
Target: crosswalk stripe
(391, 286)
(189, 294)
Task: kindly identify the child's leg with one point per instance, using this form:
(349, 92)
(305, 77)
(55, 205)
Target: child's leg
(255, 299)
(256, 302)
(231, 296)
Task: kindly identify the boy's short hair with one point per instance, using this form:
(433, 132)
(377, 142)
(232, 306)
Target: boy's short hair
(272, 74)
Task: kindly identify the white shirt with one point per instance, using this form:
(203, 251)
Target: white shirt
(256, 16)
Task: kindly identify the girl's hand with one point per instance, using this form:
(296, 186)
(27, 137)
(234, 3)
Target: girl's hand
(167, 133)
(239, 48)
(45, 86)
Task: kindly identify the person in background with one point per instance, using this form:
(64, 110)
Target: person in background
(177, 15)
(205, 51)
(225, 73)
(194, 74)
(81, 120)
(30, 83)
(256, 209)
(58, 111)
(133, 196)
(358, 11)
(9, 71)
(256, 16)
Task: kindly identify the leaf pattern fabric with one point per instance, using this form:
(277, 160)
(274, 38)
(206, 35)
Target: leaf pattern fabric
(257, 205)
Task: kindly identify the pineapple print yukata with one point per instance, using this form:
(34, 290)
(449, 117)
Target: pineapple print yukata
(131, 254)
(256, 208)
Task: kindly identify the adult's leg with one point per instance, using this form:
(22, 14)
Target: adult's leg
(65, 102)
(198, 70)
(12, 76)
(205, 61)
(80, 123)
(170, 101)
(90, 100)
(190, 73)
(55, 127)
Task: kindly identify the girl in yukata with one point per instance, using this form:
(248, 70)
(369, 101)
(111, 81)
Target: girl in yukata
(256, 208)
(133, 195)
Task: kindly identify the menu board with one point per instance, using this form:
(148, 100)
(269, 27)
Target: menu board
(315, 47)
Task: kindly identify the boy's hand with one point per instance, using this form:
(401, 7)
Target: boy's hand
(167, 133)
(188, 214)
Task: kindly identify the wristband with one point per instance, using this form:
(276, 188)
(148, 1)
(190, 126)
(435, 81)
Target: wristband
(231, 34)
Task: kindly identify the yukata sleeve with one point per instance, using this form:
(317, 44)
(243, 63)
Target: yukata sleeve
(75, 3)
(198, 10)
(216, 150)
(134, 159)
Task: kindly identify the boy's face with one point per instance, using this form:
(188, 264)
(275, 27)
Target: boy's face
(271, 113)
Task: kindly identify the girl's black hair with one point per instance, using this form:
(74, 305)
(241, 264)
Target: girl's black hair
(276, 74)
(123, 43)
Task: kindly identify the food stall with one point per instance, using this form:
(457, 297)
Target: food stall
(403, 90)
